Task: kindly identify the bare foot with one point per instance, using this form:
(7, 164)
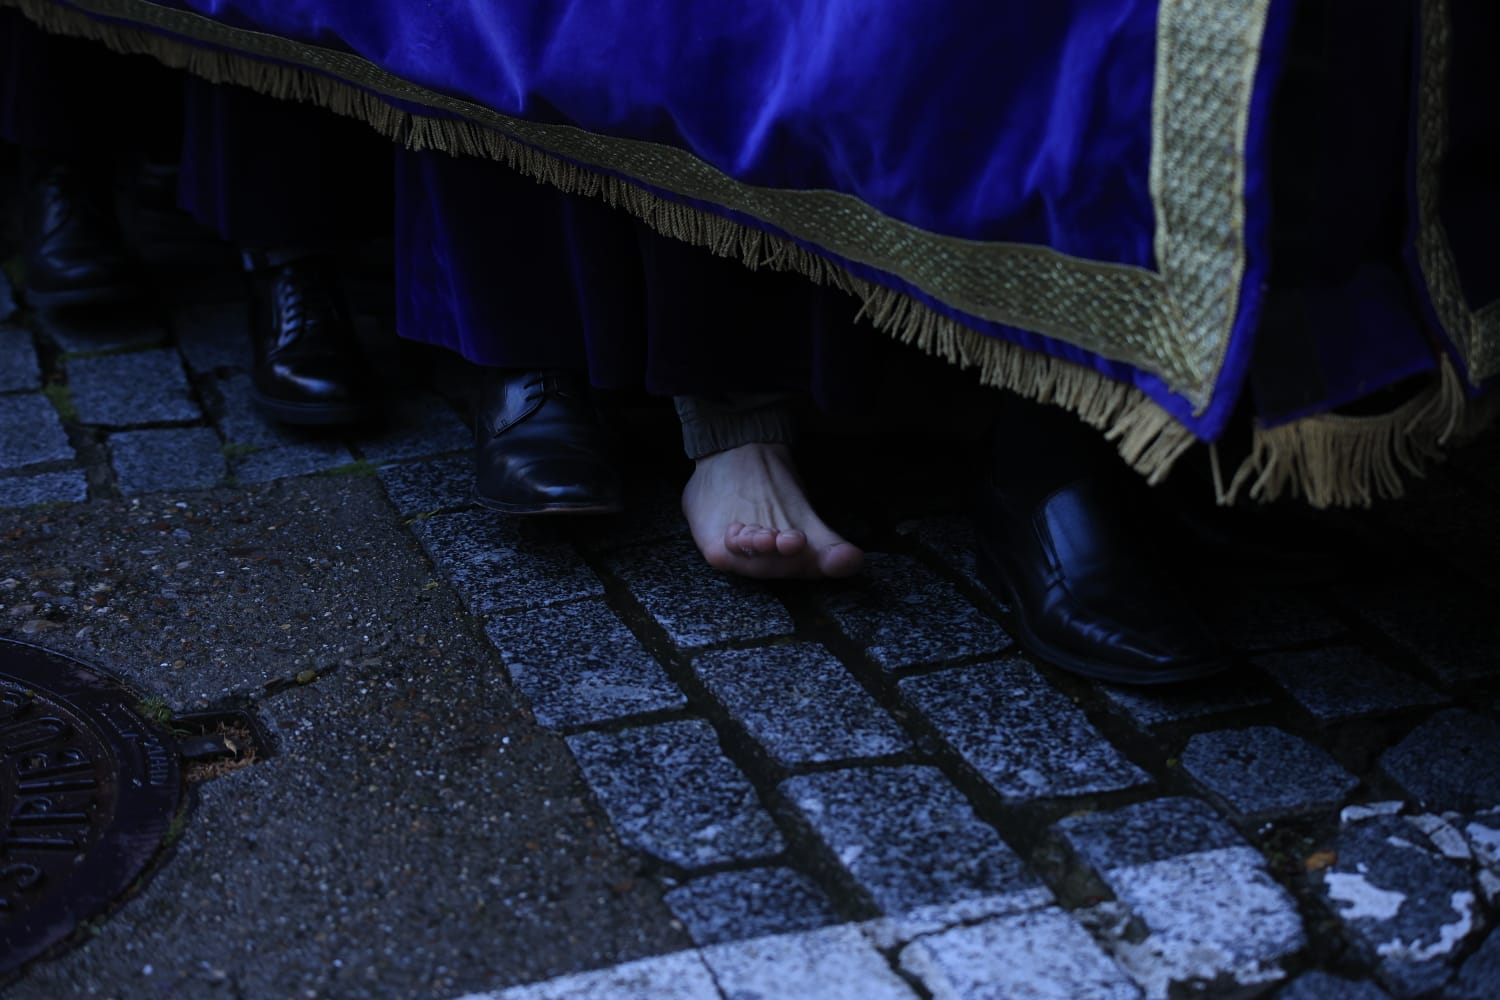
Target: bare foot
(749, 516)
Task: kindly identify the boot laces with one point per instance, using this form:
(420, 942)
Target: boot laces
(547, 385)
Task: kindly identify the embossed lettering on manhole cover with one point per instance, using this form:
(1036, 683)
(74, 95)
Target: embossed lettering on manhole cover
(88, 791)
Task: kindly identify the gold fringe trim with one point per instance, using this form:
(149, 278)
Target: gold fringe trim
(1329, 459)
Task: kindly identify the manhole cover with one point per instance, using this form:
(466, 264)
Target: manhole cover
(88, 790)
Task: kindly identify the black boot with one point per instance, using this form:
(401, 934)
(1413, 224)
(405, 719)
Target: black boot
(1065, 536)
(75, 252)
(540, 448)
(308, 368)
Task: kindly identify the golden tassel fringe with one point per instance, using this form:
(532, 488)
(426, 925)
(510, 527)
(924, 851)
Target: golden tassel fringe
(1329, 460)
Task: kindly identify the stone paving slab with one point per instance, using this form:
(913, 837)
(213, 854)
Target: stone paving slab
(1449, 629)
(292, 460)
(18, 364)
(189, 458)
(578, 665)
(47, 487)
(31, 433)
(904, 615)
(1323, 986)
(415, 425)
(1022, 736)
(672, 794)
(118, 390)
(242, 423)
(800, 704)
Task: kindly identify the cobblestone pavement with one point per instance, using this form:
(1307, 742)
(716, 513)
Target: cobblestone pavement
(864, 789)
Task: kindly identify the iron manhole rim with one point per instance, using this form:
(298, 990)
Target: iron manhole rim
(147, 799)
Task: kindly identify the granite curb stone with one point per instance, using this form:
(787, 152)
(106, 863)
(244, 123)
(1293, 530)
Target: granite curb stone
(1451, 761)
(1319, 680)
(1022, 735)
(1265, 772)
(31, 432)
(497, 564)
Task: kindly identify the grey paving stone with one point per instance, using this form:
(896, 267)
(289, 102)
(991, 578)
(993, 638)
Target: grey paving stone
(952, 540)
(695, 605)
(578, 664)
(733, 906)
(290, 460)
(497, 564)
(1451, 761)
(423, 487)
(1145, 832)
(68, 486)
(836, 963)
(1261, 620)
(1444, 518)
(85, 331)
(1263, 772)
(1448, 627)
(213, 335)
(18, 364)
(1345, 682)
(653, 511)
(31, 432)
(1479, 977)
(1324, 986)
(416, 426)
(181, 459)
(914, 845)
(1407, 910)
(904, 615)
(1023, 736)
(800, 704)
(1212, 913)
(671, 793)
(1151, 707)
(123, 389)
(1043, 955)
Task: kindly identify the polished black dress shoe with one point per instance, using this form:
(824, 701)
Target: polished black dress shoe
(1086, 593)
(75, 253)
(308, 368)
(540, 446)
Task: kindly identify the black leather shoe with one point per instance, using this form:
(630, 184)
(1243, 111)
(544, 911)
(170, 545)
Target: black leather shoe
(540, 447)
(1072, 556)
(75, 253)
(308, 368)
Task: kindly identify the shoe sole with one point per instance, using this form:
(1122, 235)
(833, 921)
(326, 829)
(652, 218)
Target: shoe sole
(549, 509)
(990, 575)
(309, 414)
(107, 295)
